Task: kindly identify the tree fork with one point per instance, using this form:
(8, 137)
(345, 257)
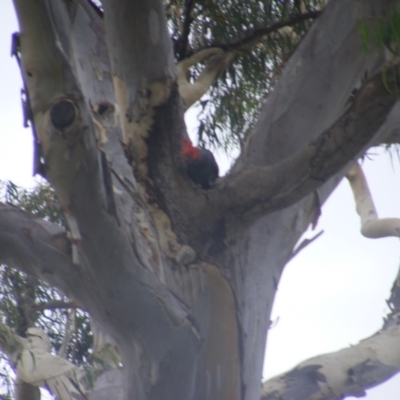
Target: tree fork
(175, 310)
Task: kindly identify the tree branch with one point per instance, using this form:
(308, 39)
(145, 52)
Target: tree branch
(372, 226)
(253, 36)
(187, 20)
(216, 62)
(309, 97)
(58, 110)
(348, 372)
(219, 56)
(261, 190)
(55, 305)
(37, 247)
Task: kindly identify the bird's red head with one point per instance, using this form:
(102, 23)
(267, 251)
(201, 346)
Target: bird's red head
(189, 151)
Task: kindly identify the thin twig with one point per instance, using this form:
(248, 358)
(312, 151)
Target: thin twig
(187, 21)
(252, 36)
(55, 304)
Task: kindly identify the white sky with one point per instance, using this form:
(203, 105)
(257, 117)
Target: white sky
(331, 295)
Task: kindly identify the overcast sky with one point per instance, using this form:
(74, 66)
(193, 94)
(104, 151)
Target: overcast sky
(331, 295)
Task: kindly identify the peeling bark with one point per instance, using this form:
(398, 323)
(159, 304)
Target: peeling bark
(142, 67)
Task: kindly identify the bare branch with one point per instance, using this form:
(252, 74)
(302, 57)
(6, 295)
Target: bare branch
(260, 190)
(55, 305)
(251, 37)
(191, 92)
(187, 20)
(371, 226)
(348, 372)
(38, 248)
(219, 57)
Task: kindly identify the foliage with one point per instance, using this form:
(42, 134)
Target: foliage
(383, 32)
(39, 201)
(261, 35)
(26, 301)
(227, 113)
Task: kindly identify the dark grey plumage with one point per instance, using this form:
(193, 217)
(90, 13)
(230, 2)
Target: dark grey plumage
(200, 164)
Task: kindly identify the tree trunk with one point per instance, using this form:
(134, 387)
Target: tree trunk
(182, 279)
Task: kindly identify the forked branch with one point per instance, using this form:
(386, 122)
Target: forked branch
(217, 59)
(219, 56)
(372, 226)
(261, 190)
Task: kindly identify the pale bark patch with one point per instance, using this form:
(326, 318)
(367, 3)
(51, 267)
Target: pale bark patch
(216, 61)
(154, 27)
(137, 119)
(37, 366)
(372, 226)
(168, 239)
(222, 354)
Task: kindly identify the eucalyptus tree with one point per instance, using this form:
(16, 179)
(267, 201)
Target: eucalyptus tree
(179, 281)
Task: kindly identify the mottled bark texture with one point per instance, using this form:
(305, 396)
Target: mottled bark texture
(181, 279)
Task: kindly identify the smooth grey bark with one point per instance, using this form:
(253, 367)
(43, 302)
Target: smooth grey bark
(310, 95)
(49, 258)
(81, 183)
(263, 189)
(184, 291)
(344, 373)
